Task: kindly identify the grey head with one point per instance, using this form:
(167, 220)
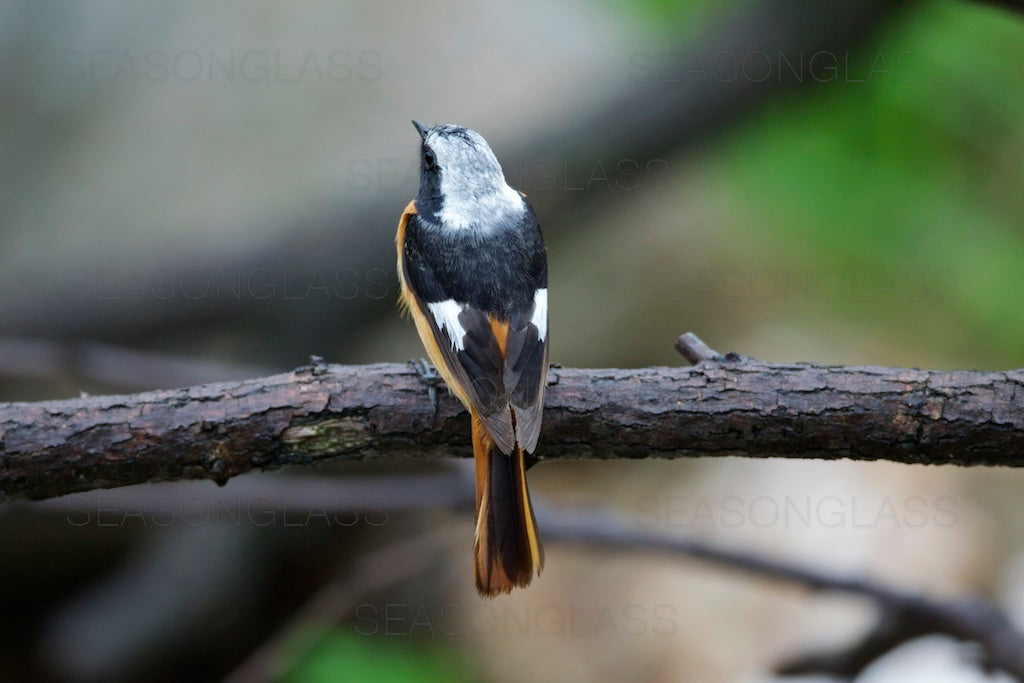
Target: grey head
(462, 186)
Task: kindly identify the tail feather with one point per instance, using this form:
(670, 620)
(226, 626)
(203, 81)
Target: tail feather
(507, 547)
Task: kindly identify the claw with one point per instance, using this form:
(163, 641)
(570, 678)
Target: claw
(430, 377)
(317, 366)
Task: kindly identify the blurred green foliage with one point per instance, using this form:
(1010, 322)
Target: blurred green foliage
(897, 180)
(672, 19)
(339, 655)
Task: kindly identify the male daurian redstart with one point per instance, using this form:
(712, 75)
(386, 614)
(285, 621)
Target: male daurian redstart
(473, 272)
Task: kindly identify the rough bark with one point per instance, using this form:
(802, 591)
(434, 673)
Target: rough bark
(725, 406)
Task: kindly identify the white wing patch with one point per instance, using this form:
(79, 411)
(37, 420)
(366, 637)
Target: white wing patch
(446, 315)
(540, 312)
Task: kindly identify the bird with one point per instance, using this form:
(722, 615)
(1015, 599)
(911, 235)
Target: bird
(472, 268)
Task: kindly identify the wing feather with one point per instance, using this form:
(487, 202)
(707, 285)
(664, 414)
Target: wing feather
(526, 369)
(495, 362)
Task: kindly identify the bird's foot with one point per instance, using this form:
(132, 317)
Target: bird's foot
(430, 377)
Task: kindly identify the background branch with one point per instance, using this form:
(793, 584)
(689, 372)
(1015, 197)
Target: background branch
(124, 369)
(903, 614)
(739, 406)
(679, 98)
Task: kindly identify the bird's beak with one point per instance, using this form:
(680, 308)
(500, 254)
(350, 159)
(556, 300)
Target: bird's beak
(420, 128)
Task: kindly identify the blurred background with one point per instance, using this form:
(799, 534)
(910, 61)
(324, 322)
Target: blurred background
(194, 193)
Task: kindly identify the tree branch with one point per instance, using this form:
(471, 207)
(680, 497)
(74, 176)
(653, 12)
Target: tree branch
(904, 614)
(735, 406)
(124, 369)
(677, 98)
(903, 617)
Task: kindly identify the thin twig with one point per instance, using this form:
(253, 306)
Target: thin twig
(695, 350)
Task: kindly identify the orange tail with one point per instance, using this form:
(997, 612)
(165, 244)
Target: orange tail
(506, 546)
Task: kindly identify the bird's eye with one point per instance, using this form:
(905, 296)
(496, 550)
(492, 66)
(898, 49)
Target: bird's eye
(429, 159)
